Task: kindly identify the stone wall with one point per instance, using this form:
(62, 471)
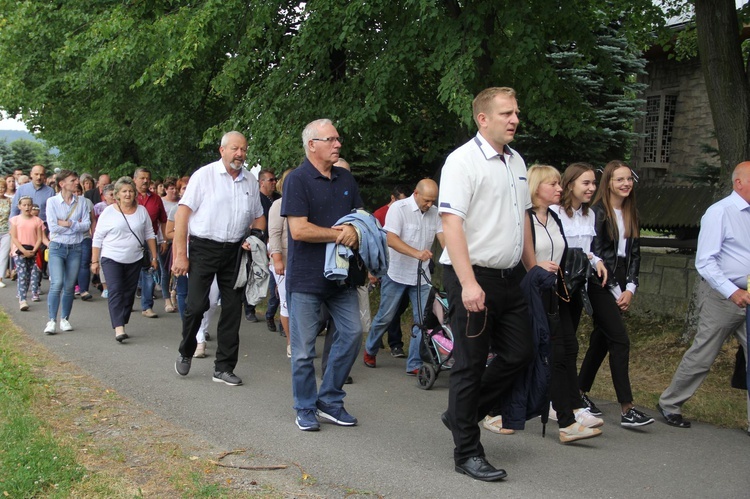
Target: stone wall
(666, 283)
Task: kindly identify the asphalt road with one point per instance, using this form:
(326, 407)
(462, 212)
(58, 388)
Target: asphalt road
(400, 448)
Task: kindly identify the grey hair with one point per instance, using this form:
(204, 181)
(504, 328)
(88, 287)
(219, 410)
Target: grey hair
(228, 135)
(310, 130)
(108, 188)
(135, 174)
(122, 182)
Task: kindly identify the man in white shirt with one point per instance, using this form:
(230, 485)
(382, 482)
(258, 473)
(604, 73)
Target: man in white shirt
(723, 262)
(411, 225)
(484, 195)
(218, 207)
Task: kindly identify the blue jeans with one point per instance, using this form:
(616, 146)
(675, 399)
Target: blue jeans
(84, 272)
(63, 265)
(304, 310)
(147, 288)
(391, 293)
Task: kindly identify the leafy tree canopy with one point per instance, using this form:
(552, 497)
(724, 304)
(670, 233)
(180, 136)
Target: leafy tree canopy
(115, 84)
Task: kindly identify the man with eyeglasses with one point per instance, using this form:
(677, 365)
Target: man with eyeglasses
(484, 195)
(316, 195)
(267, 181)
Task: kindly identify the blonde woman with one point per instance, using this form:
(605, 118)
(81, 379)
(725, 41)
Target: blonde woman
(123, 229)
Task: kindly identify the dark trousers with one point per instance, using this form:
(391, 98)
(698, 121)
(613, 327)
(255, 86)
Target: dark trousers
(475, 387)
(208, 259)
(609, 335)
(563, 386)
(122, 279)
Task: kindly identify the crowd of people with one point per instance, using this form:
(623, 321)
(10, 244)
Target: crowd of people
(525, 253)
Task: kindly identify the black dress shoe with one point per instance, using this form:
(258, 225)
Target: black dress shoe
(673, 419)
(445, 420)
(251, 317)
(121, 337)
(478, 468)
(349, 380)
(271, 323)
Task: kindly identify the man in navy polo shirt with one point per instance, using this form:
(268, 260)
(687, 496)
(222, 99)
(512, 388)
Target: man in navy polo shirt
(316, 195)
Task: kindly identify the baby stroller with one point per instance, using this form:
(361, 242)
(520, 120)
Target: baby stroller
(436, 348)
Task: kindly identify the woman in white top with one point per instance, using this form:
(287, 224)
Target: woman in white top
(549, 248)
(277, 247)
(121, 230)
(617, 242)
(579, 185)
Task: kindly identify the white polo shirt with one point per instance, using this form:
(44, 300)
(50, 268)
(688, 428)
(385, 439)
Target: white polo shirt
(489, 191)
(417, 229)
(223, 207)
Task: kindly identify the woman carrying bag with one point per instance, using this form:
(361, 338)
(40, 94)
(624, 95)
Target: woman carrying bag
(119, 246)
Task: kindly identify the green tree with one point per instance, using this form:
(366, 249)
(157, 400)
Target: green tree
(116, 84)
(6, 153)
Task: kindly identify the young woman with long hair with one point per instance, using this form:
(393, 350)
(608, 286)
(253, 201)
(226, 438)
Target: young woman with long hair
(617, 243)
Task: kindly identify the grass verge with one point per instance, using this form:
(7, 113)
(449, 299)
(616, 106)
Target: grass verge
(64, 434)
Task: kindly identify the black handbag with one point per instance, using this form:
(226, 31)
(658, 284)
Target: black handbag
(578, 271)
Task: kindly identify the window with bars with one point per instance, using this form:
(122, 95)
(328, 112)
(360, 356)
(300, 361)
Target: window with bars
(658, 128)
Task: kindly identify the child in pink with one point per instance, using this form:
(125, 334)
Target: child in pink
(26, 233)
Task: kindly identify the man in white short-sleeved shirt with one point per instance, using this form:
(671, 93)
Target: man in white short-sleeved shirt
(219, 206)
(483, 197)
(411, 225)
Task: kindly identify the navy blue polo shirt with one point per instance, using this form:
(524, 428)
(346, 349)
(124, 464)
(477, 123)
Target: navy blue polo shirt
(308, 193)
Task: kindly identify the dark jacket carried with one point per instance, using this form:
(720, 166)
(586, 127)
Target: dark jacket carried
(605, 248)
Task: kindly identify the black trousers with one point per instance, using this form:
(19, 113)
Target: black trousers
(475, 387)
(122, 280)
(563, 386)
(609, 336)
(208, 259)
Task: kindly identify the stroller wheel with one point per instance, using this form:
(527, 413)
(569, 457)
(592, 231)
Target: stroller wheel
(426, 376)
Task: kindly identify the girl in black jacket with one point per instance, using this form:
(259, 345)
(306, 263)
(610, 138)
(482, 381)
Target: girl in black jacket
(617, 244)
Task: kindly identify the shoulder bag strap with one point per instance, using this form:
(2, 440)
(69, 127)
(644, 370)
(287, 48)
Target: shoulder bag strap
(131, 230)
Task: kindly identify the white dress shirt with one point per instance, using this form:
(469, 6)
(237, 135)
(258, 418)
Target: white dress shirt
(223, 207)
(417, 229)
(723, 255)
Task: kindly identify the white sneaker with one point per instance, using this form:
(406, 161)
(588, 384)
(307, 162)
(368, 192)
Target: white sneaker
(50, 328)
(585, 418)
(65, 325)
(2, 284)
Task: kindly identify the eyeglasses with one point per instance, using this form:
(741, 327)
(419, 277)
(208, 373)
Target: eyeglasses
(622, 180)
(340, 140)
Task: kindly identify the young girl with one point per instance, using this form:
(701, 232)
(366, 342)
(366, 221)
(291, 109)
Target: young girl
(579, 185)
(617, 243)
(26, 233)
